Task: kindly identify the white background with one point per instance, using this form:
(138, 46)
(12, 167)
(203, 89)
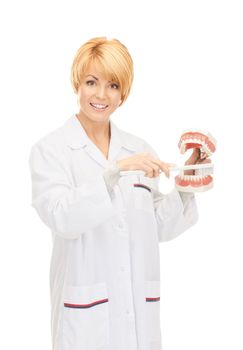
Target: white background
(188, 73)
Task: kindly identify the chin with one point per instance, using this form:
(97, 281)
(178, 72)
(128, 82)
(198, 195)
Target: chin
(99, 118)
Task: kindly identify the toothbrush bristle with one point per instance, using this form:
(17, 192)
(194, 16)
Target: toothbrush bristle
(204, 172)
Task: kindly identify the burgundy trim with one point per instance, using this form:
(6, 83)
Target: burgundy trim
(143, 186)
(153, 299)
(83, 306)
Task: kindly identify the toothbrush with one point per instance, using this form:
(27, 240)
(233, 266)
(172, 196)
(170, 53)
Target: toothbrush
(201, 169)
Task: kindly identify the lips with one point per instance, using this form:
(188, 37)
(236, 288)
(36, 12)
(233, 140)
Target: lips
(98, 106)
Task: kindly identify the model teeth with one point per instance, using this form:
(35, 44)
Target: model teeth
(200, 180)
(192, 177)
(204, 147)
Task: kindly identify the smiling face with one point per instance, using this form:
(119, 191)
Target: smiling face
(98, 97)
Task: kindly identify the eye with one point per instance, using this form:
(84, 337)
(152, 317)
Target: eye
(90, 81)
(116, 86)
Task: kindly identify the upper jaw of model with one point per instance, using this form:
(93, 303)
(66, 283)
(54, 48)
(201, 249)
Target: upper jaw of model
(195, 138)
(201, 181)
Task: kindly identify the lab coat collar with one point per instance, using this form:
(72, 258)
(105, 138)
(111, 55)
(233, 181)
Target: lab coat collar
(77, 138)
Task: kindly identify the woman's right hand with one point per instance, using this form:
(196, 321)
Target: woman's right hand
(146, 162)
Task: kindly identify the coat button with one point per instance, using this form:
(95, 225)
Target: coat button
(120, 225)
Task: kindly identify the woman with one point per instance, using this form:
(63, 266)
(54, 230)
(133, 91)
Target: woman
(106, 224)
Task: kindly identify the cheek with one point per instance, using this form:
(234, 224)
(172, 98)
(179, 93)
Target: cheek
(116, 99)
(84, 97)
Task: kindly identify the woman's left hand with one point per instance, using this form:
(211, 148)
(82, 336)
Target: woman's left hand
(197, 157)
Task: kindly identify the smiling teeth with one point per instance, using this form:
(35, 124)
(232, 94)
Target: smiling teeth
(98, 106)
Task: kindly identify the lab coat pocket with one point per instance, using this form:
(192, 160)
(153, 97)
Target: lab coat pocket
(85, 317)
(142, 197)
(152, 299)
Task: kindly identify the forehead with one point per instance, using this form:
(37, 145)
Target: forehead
(96, 70)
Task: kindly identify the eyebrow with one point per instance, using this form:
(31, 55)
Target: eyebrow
(95, 77)
(92, 76)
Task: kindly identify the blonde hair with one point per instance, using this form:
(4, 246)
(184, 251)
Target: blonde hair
(112, 56)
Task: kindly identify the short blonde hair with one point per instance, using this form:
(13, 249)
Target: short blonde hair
(112, 56)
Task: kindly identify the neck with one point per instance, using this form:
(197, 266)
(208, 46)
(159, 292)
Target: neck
(97, 131)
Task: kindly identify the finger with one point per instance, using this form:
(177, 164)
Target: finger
(195, 156)
(148, 170)
(155, 169)
(165, 167)
(162, 165)
(204, 161)
(196, 152)
(203, 155)
(158, 165)
(154, 160)
(158, 161)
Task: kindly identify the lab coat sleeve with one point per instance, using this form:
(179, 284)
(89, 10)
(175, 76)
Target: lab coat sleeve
(65, 209)
(175, 212)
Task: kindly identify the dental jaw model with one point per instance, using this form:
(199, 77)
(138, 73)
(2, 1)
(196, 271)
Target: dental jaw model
(202, 180)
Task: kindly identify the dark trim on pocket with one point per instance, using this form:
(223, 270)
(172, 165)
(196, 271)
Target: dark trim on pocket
(143, 186)
(153, 299)
(84, 306)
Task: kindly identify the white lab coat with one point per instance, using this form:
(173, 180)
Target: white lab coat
(105, 266)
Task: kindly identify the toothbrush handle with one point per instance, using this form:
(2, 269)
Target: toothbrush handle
(173, 168)
(132, 172)
(191, 167)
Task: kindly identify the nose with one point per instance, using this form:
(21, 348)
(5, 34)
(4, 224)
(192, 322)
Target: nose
(100, 92)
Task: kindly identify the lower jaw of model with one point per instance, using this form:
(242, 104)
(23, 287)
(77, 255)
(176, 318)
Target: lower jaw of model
(193, 183)
(201, 181)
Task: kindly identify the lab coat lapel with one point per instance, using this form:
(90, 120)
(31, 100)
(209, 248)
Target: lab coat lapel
(77, 138)
(116, 143)
(114, 148)
(94, 152)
